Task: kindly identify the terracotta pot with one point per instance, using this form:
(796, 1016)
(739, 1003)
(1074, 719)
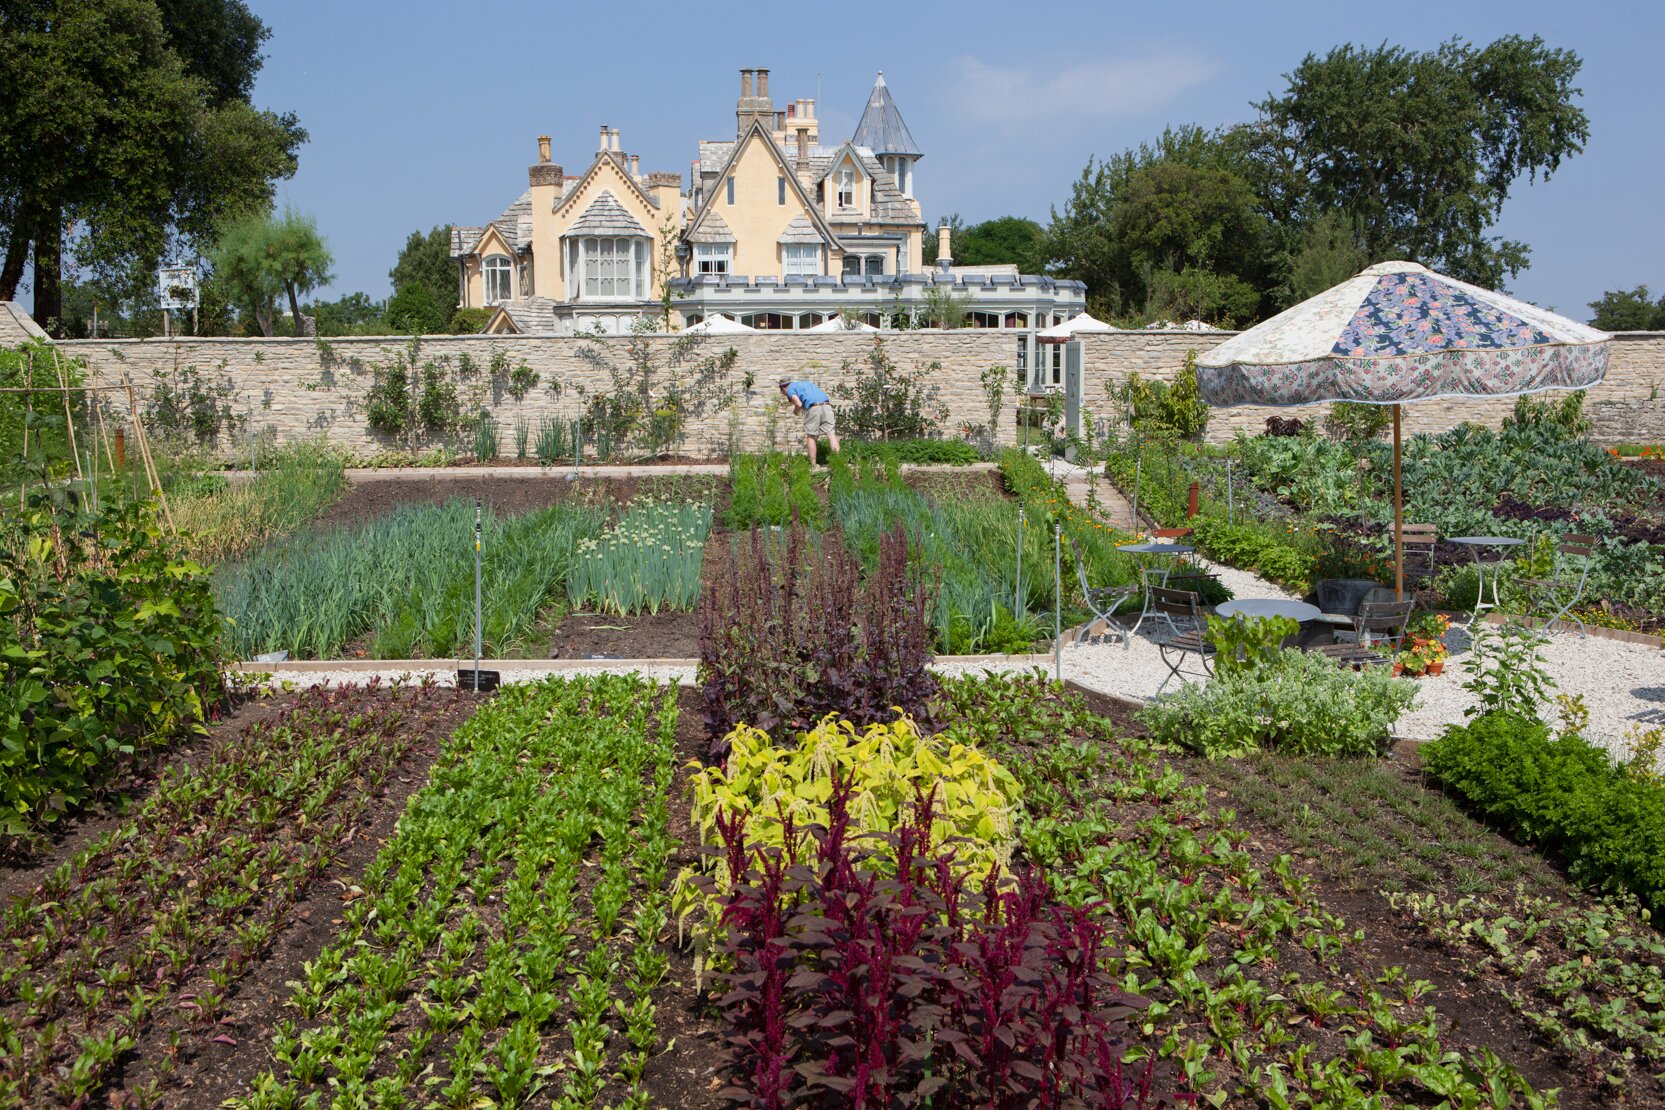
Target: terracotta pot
(1436, 667)
(1398, 669)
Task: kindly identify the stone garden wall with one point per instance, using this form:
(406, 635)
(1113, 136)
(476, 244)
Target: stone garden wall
(295, 388)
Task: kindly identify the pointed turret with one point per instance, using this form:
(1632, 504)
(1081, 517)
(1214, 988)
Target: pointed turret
(881, 129)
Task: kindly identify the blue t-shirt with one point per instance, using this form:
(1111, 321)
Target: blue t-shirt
(807, 393)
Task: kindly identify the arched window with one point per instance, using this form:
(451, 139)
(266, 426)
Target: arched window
(496, 271)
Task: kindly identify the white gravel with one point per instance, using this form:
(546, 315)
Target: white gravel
(1623, 684)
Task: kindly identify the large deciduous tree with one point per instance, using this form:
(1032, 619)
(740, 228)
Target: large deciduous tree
(426, 260)
(1421, 148)
(1628, 310)
(125, 129)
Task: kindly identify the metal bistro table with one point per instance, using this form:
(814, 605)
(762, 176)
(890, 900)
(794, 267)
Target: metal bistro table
(1150, 556)
(1257, 607)
(1476, 543)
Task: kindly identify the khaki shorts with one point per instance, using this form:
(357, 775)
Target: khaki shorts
(819, 421)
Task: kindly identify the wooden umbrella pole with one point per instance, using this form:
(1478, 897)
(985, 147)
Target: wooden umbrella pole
(1398, 517)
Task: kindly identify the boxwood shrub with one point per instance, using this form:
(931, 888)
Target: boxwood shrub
(1564, 795)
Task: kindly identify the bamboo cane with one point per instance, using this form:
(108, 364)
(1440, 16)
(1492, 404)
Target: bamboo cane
(143, 438)
(69, 420)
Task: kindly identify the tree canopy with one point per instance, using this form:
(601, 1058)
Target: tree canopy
(426, 260)
(261, 258)
(1367, 154)
(125, 132)
(1628, 310)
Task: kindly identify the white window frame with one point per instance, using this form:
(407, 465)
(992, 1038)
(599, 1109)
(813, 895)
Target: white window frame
(800, 259)
(492, 268)
(713, 258)
(608, 268)
(846, 187)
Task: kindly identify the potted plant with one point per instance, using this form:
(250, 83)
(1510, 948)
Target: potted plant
(1426, 636)
(1409, 663)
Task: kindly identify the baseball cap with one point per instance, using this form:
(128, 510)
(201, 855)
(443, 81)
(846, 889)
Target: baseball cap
(784, 381)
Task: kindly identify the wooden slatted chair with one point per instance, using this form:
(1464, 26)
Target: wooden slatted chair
(1378, 632)
(1423, 540)
(1187, 606)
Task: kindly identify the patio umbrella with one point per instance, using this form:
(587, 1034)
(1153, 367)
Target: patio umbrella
(1069, 329)
(718, 325)
(1395, 334)
(838, 323)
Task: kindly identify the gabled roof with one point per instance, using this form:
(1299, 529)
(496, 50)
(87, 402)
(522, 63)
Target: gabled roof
(714, 230)
(617, 161)
(514, 225)
(756, 128)
(881, 129)
(889, 205)
(605, 216)
(714, 154)
(800, 230)
(532, 316)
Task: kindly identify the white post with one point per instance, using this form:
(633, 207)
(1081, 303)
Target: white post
(1057, 600)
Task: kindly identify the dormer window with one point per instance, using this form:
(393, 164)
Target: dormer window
(800, 258)
(713, 258)
(846, 188)
(497, 282)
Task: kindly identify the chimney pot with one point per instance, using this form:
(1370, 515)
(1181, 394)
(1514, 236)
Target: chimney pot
(792, 110)
(763, 83)
(635, 165)
(945, 247)
(613, 140)
(603, 140)
(745, 84)
(543, 148)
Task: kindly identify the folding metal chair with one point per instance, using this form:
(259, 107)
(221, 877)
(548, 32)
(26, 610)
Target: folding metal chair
(1102, 601)
(1378, 624)
(1561, 588)
(1185, 605)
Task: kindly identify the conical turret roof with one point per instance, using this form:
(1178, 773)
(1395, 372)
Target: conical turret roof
(881, 129)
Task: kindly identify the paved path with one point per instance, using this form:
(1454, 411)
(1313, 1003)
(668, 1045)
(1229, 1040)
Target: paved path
(1080, 483)
(532, 473)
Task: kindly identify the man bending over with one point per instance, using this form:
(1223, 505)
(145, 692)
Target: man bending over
(819, 419)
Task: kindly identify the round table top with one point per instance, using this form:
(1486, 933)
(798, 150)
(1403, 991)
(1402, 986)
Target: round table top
(1268, 607)
(1155, 548)
(1488, 541)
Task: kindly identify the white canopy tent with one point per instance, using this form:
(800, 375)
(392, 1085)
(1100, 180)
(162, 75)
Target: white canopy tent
(838, 323)
(718, 325)
(1069, 329)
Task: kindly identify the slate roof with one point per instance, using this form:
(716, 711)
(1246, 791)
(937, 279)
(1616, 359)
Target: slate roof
(463, 239)
(881, 129)
(714, 155)
(800, 230)
(532, 316)
(515, 225)
(605, 216)
(889, 205)
(716, 230)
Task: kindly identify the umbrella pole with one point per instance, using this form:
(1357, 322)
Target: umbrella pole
(1398, 517)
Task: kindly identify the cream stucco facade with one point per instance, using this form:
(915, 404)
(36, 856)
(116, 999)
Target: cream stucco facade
(775, 229)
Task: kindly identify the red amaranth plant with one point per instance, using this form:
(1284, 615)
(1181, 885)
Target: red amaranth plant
(848, 984)
(790, 632)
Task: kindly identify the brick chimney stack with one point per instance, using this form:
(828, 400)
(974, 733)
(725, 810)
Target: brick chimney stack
(545, 172)
(753, 104)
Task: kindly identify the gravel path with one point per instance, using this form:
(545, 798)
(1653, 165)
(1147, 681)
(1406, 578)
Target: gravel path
(1623, 684)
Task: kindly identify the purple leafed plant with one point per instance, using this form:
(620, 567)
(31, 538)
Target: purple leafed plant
(790, 632)
(854, 985)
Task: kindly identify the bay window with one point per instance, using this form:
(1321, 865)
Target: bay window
(611, 268)
(800, 258)
(497, 283)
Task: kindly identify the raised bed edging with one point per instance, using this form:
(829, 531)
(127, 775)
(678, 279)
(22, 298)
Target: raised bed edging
(1646, 639)
(303, 666)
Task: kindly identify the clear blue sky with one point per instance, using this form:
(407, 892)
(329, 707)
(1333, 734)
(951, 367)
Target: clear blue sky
(425, 113)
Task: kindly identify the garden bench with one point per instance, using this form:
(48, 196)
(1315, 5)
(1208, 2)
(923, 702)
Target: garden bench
(1561, 588)
(1174, 651)
(1102, 601)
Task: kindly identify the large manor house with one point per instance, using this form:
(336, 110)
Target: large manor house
(775, 228)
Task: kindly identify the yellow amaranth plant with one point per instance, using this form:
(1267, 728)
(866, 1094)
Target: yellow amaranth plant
(891, 765)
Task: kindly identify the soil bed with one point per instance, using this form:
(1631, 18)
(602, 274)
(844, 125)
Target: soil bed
(511, 496)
